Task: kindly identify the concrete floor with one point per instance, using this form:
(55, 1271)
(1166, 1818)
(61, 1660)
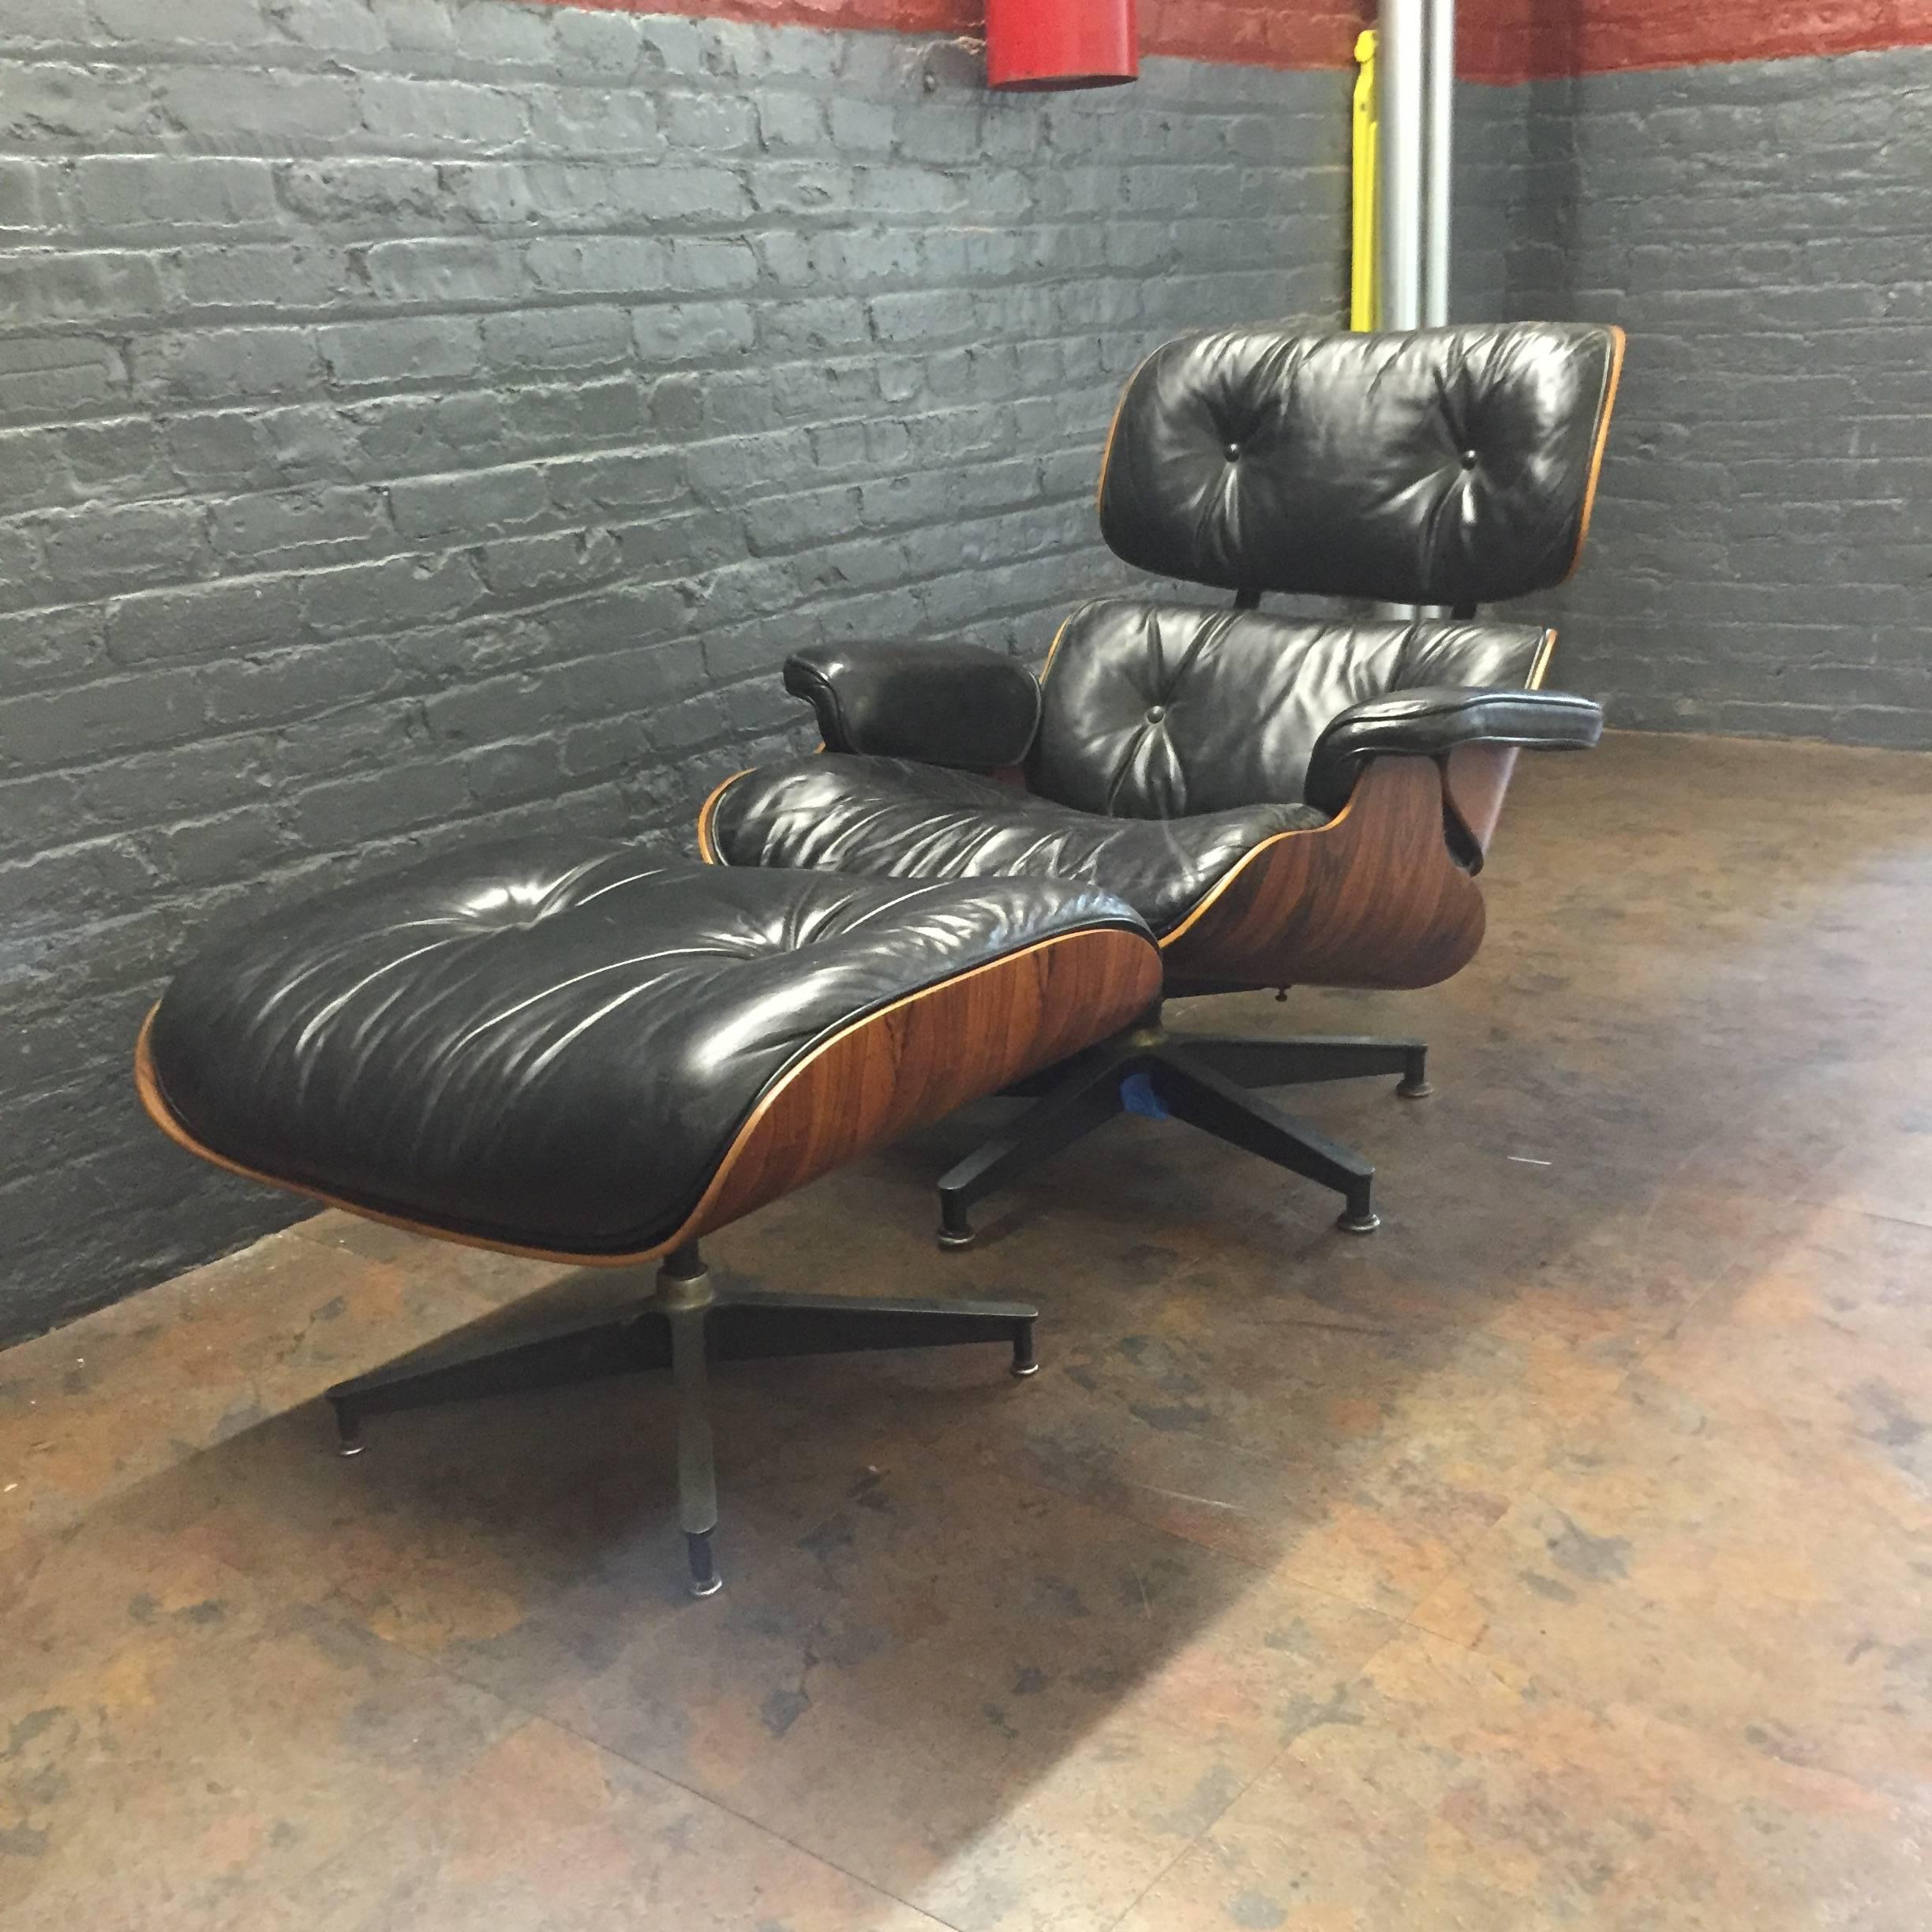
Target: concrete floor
(1561, 1556)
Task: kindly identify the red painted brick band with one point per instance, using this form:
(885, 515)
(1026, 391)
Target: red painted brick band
(1258, 33)
(1502, 40)
(1508, 40)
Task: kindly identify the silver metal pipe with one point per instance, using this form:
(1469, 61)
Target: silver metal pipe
(1439, 160)
(1400, 62)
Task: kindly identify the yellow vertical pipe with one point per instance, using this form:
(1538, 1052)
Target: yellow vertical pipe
(1365, 268)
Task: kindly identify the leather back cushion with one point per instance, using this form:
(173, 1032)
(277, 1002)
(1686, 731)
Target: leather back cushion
(1157, 711)
(1451, 466)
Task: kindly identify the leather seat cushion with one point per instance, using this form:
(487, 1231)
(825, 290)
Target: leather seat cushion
(552, 1043)
(893, 818)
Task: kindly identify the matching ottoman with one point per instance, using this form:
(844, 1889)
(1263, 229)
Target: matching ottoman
(562, 1047)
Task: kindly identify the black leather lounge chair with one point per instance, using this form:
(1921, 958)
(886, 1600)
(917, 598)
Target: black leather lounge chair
(1285, 802)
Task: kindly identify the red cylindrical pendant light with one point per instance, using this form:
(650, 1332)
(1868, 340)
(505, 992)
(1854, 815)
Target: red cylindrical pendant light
(1039, 44)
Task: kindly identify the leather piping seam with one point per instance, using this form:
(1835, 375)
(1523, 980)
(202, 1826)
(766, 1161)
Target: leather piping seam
(1039, 724)
(1120, 409)
(1611, 381)
(155, 1104)
(830, 712)
(707, 846)
(1053, 651)
(1539, 667)
(1039, 705)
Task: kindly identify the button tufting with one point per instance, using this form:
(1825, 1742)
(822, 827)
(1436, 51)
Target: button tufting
(1233, 452)
(1469, 459)
(1155, 713)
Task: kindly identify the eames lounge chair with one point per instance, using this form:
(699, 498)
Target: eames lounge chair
(1285, 802)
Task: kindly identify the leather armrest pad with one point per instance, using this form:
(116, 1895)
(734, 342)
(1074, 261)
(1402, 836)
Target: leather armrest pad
(1432, 720)
(959, 705)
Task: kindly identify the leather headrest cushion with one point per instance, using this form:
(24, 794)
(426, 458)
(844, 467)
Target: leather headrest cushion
(1452, 465)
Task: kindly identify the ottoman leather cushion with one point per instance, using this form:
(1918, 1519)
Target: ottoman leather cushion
(553, 1044)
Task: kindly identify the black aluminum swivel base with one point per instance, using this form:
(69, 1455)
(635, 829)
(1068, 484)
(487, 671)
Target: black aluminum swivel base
(684, 1324)
(1204, 1079)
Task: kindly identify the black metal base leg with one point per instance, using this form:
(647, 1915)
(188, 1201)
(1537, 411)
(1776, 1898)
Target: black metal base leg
(622, 1336)
(1089, 1097)
(1302, 1063)
(1193, 1091)
(748, 1326)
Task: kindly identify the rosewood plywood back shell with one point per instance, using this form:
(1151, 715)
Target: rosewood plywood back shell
(1374, 898)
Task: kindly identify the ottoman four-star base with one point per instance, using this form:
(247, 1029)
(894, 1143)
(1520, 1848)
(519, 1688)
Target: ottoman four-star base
(683, 1323)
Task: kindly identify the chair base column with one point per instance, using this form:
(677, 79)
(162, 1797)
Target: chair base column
(1205, 1080)
(683, 1323)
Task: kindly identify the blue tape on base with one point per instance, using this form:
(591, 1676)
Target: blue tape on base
(1138, 1096)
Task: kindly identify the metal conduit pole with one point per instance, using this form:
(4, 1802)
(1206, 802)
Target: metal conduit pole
(1400, 62)
(1438, 164)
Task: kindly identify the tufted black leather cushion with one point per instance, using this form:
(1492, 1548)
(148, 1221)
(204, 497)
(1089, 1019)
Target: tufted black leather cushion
(1445, 466)
(1155, 711)
(552, 1043)
(891, 819)
(949, 704)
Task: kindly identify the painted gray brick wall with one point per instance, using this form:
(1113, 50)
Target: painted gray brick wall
(422, 422)
(1762, 556)
(1489, 181)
